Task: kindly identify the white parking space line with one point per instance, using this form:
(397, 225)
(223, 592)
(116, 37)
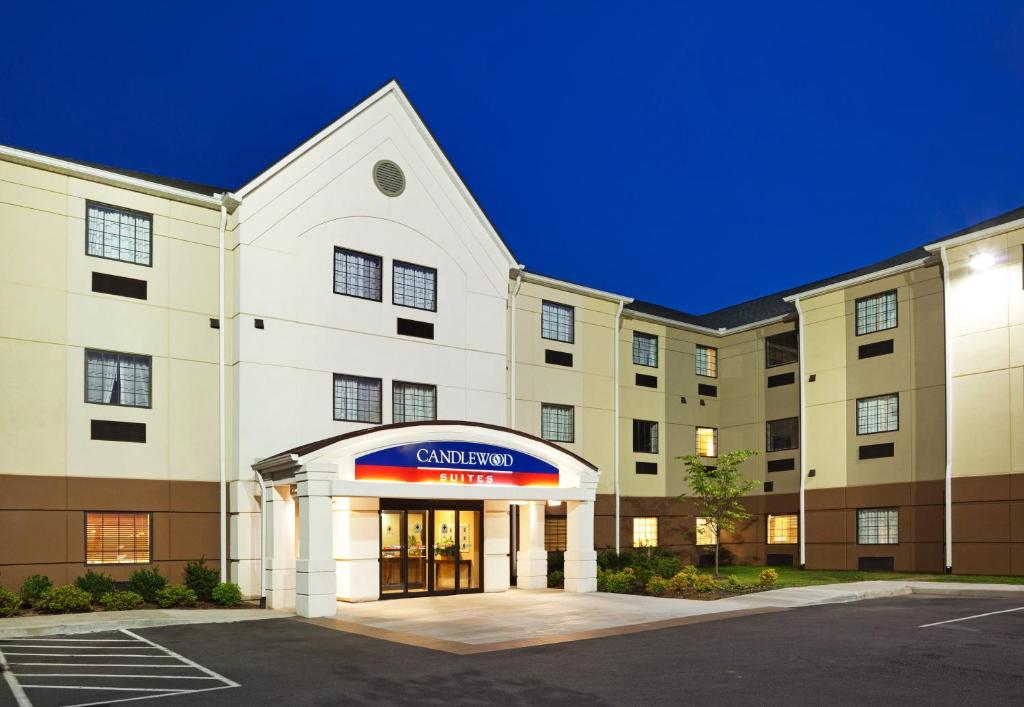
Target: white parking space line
(23, 662)
(968, 618)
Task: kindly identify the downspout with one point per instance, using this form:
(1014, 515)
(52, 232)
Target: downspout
(803, 432)
(221, 391)
(514, 509)
(949, 411)
(615, 428)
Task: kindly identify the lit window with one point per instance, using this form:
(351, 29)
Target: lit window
(707, 442)
(645, 349)
(783, 529)
(118, 234)
(705, 530)
(414, 286)
(117, 538)
(555, 534)
(878, 414)
(876, 313)
(878, 526)
(556, 422)
(707, 361)
(556, 321)
(414, 402)
(782, 434)
(357, 274)
(117, 379)
(645, 436)
(780, 350)
(356, 399)
(645, 532)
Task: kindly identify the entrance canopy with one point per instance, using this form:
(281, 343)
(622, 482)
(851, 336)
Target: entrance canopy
(439, 460)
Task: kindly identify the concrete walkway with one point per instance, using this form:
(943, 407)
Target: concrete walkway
(474, 623)
(61, 624)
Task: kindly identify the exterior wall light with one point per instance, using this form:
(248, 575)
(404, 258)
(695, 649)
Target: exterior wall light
(554, 503)
(981, 261)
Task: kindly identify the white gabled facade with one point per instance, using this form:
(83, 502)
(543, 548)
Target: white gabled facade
(291, 218)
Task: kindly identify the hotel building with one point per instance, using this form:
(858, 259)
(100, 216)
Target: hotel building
(337, 382)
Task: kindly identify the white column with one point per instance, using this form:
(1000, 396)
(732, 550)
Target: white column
(532, 559)
(280, 561)
(357, 548)
(496, 546)
(580, 557)
(315, 584)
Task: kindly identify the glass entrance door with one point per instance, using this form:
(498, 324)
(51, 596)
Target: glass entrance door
(403, 552)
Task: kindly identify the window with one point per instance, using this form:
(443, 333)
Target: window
(356, 399)
(413, 402)
(878, 526)
(118, 234)
(705, 530)
(117, 538)
(556, 422)
(555, 534)
(878, 414)
(556, 321)
(414, 286)
(645, 436)
(645, 349)
(117, 379)
(783, 434)
(707, 361)
(780, 349)
(876, 313)
(783, 529)
(645, 532)
(357, 274)
(707, 442)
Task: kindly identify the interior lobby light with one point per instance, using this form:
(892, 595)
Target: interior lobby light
(982, 261)
(554, 503)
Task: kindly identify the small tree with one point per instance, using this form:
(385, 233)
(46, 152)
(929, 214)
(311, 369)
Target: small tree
(717, 492)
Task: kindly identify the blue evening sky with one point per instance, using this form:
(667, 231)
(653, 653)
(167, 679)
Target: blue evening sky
(693, 154)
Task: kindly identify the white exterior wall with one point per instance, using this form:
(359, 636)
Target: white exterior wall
(286, 230)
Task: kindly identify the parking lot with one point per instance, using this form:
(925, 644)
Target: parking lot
(914, 649)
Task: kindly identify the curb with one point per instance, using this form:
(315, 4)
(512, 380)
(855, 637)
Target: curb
(48, 629)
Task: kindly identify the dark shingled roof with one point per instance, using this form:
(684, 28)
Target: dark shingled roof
(999, 220)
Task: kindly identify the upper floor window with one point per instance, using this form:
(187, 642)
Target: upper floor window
(119, 234)
(645, 531)
(414, 286)
(782, 434)
(780, 349)
(876, 313)
(357, 274)
(878, 526)
(707, 361)
(645, 349)
(117, 379)
(556, 321)
(783, 529)
(413, 402)
(878, 414)
(556, 422)
(645, 436)
(707, 442)
(117, 538)
(356, 399)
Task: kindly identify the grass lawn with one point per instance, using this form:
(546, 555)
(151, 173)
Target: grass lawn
(791, 577)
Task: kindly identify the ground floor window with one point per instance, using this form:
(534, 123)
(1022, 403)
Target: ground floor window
(783, 529)
(554, 534)
(645, 532)
(705, 530)
(117, 538)
(878, 526)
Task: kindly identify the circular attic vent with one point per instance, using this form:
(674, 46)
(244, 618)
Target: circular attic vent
(389, 178)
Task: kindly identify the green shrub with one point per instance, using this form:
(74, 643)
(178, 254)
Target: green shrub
(65, 599)
(733, 583)
(610, 560)
(666, 565)
(683, 579)
(703, 583)
(657, 585)
(96, 583)
(768, 577)
(9, 603)
(555, 578)
(33, 587)
(176, 595)
(147, 583)
(120, 601)
(615, 582)
(201, 579)
(556, 561)
(227, 594)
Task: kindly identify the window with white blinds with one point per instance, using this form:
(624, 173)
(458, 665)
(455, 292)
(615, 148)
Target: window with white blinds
(557, 322)
(357, 274)
(113, 378)
(356, 399)
(414, 286)
(413, 402)
(113, 538)
(118, 234)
